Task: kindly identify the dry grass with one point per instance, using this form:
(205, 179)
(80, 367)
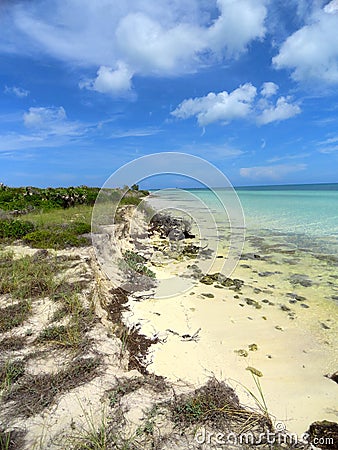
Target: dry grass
(34, 393)
(217, 405)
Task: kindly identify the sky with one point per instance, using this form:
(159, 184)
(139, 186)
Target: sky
(88, 86)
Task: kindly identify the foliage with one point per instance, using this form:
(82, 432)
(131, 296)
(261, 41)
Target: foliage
(32, 198)
(137, 262)
(15, 228)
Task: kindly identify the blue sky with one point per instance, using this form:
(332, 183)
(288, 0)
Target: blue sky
(249, 85)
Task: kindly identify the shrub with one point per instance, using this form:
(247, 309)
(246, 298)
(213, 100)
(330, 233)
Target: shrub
(15, 229)
(55, 238)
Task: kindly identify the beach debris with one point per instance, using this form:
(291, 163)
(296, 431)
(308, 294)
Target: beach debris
(241, 352)
(294, 296)
(195, 337)
(251, 302)
(301, 279)
(254, 371)
(231, 283)
(278, 327)
(304, 305)
(253, 347)
(208, 295)
(284, 307)
(333, 377)
(172, 332)
(326, 327)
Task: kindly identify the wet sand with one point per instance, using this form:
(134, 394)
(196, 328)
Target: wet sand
(282, 322)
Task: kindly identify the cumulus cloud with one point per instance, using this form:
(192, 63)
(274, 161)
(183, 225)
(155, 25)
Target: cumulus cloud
(218, 107)
(240, 22)
(109, 81)
(312, 51)
(269, 89)
(17, 91)
(122, 39)
(238, 104)
(281, 111)
(274, 172)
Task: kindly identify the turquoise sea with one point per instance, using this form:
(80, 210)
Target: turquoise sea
(302, 215)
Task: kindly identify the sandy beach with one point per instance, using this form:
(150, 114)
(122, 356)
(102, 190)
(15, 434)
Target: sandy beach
(282, 321)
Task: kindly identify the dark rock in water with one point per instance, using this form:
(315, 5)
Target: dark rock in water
(294, 296)
(230, 283)
(257, 290)
(265, 274)
(333, 377)
(303, 280)
(293, 301)
(284, 308)
(208, 295)
(251, 302)
(324, 434)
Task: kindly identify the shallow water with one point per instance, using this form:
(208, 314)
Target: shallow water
(287, 306)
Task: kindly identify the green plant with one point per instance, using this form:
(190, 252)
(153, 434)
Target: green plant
(5, 440)
(14, 315)
(259, 398)
(137, 262)
(10, 372)
(15, 229)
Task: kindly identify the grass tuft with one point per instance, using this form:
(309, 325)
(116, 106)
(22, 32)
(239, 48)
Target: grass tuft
(36, 392)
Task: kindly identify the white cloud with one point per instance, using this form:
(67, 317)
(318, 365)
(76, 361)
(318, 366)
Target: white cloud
(238, 104)
(137, 132)
(17, 91)
(52, 121)
(275, 172)
(218, 107)
(122, 39)
(288, 157)
(329, 145)
(269, 89)
(281, 111)
(331, 7)
(312, 51)
(109, 81)
(45, 127)
(240, 22)
(330, 149)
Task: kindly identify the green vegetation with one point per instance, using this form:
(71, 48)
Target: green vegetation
(10, 372)
(137, 262)
(32, 198)
(55, 218)
(15, 228)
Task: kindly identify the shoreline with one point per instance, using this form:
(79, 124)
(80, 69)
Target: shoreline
(291, 327)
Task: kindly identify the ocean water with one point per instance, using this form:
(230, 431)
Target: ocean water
(287, 305)
(302, 215)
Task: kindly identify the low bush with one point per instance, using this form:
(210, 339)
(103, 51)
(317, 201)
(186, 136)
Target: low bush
(15, 229)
